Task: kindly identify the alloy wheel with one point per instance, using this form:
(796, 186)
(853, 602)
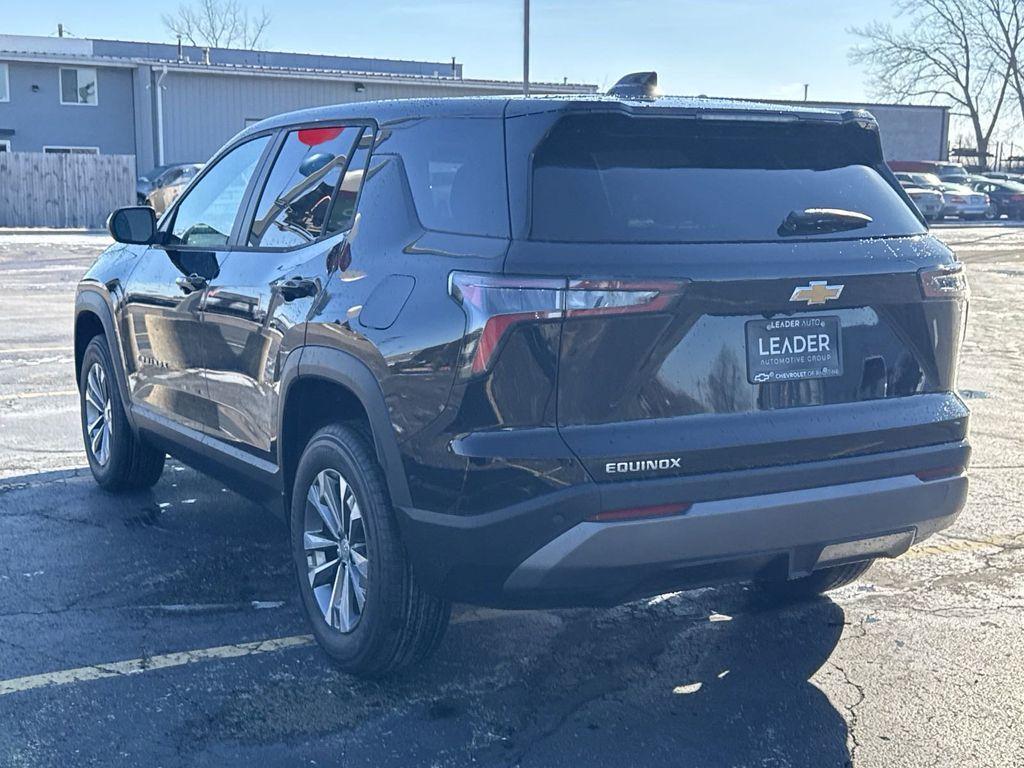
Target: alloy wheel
(99, 425)
(337, 559)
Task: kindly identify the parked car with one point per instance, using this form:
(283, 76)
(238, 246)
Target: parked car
(1003, 176)
(1006, 196)
(144, 184)
(155, 177)
(170, 184)
(927, 196)
(964, 202)
(523, 352)
(953, 172)
(921, 180)
(929, 201)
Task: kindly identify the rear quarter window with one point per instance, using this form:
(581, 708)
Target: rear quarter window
(456, 172)
(614, 178)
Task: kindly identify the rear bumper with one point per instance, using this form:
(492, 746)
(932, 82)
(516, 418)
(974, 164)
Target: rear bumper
(768, 536)
(763, 523)
(965, 210)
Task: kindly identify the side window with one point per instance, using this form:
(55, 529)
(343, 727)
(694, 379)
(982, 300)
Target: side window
(301, 199)
(207, 213)
(456, 170)
(343, 209)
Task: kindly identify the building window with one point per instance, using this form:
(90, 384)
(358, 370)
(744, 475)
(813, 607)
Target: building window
(5, 83)
(71, 150)
(78, 86)
(5, 145)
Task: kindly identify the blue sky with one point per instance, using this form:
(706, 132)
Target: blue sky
(753, 48)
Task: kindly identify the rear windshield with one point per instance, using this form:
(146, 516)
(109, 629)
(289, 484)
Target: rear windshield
(613, 178)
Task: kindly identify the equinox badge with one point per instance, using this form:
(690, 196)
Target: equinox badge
(816, 292)
(645, 465)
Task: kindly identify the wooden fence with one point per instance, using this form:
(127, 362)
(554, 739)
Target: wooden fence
(63, 190)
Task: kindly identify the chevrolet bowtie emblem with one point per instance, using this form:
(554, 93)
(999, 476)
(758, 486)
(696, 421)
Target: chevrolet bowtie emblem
(817, 292)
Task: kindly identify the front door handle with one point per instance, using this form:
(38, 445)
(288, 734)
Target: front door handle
(191, 283)
(297, 288)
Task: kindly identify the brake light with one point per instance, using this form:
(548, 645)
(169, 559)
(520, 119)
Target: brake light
(946, 282)
(1016, 198)
(956, 199)
(494, 304)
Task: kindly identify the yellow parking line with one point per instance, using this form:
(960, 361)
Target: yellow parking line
(236, 650)
(951, 546)
(25, 350)
(148, 664)
(35, 395)
(168, 660)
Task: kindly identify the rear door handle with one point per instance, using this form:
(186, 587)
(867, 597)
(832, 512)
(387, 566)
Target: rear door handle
(297, 288)
(191, 283)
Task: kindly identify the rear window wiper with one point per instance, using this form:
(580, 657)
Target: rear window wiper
(813, 221)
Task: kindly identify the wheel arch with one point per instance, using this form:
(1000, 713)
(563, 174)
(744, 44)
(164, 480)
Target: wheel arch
(326, 385)
(87, 327)
(94, 317)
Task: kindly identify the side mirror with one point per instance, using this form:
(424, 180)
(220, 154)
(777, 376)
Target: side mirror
(135, 225)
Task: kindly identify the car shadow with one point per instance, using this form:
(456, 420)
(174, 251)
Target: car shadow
(715, 678)
(709, 677)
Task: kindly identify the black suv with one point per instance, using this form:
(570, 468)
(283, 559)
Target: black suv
(538, 352)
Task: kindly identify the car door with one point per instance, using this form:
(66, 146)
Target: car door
(255, 309)
(164, 341)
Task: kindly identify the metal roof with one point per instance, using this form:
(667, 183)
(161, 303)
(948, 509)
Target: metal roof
(231, 61)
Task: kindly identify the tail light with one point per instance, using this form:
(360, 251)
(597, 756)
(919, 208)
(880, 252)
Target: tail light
(946, 282)
(956, 199)
(1017, 198)
(494, 304)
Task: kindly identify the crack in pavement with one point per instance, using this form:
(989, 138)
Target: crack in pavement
(854, 716)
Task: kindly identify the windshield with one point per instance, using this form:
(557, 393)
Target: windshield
(612, 178)
(154, 173)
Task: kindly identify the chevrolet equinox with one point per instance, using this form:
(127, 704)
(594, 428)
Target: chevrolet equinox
(538, 351)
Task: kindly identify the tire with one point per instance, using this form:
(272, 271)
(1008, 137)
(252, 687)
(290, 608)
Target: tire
(817, 583)
(397, 625)
(119, 460)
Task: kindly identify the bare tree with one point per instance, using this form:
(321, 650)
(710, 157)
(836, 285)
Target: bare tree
(1002, 22)
(940, 54)
(218, 24)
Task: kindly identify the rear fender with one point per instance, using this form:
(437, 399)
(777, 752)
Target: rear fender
(351, 373)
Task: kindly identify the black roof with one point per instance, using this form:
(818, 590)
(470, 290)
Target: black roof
(511, 106)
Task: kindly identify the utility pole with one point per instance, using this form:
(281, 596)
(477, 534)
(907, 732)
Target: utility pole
(526, 47)
(806, 86)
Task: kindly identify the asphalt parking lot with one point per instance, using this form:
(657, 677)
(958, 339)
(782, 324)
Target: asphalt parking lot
(163, 628)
